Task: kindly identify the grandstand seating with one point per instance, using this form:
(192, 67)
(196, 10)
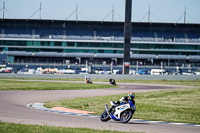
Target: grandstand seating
(105, 38)
(89, 32)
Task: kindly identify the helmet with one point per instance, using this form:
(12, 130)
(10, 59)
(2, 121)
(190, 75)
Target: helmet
(131, 95)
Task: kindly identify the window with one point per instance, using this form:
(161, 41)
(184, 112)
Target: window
(70, 44)
(58, 44)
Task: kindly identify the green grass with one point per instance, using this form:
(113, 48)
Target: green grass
(20, 128)
(36, 85)
(173, 106)
(162, 81)
(59, 79)
(180, 105)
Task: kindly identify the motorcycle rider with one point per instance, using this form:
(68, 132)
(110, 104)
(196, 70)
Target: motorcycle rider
(120, 110)
(125, 99)
(88, 80)
(112, 81)
(130, 97)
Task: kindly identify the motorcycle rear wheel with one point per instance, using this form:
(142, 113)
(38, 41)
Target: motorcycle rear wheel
(105, 117)
(126, 116)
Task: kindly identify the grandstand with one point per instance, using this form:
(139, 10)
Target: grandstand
(100, 43)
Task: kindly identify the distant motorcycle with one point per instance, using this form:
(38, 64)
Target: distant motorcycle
(112, 81)
(119, 111)
(88, 81)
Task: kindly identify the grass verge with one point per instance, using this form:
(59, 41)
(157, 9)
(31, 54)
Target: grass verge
(180, 105)
(59, 79)
(162, 81)
(20, 128)
(36, 85)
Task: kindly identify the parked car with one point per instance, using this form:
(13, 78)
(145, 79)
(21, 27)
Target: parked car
(49, 71)
(142, 72)
(38, 70)
(68, 71)
(132, 72)
(197, 73)
(158, 72)
(98, 71)
(6, 70)
(188, 73)
(26, 71)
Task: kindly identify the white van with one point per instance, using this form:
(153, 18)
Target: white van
(158, 72)
(26, 71)
(68, 71)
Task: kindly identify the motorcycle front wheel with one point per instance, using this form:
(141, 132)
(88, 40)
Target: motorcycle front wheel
(126, 116)
(105, 117)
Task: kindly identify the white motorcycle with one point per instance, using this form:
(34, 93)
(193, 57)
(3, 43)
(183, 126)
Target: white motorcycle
(120, 111)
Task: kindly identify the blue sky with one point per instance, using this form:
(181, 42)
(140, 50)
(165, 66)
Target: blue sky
(162, 10)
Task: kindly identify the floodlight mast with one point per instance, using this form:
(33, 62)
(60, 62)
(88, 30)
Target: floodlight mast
(127, 36)
(3, 9)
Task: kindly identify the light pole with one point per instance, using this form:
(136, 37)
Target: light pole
(127, 36)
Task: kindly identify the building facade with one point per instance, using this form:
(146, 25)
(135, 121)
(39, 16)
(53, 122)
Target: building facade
(100, 43)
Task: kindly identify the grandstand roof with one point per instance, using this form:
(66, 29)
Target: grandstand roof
(141, 26)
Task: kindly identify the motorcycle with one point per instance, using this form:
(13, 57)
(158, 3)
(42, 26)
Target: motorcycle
(119, 111)
(88, 81)
(112, 82)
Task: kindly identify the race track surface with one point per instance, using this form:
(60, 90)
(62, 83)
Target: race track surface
(13, 109)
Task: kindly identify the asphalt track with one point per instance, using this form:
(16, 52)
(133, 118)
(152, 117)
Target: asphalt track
(13, 109)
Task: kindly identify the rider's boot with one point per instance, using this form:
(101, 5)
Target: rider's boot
(108, 109)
